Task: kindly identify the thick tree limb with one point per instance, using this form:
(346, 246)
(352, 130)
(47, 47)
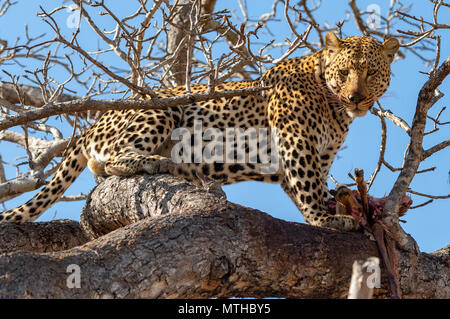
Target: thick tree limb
(41, 237)
(205, 247)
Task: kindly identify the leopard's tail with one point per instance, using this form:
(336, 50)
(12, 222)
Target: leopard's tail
(72, 165)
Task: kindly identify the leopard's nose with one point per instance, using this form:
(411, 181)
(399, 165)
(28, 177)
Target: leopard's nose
(355, 97)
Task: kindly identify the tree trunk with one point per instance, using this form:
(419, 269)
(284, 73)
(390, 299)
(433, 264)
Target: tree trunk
(175, 35)
(184, 241)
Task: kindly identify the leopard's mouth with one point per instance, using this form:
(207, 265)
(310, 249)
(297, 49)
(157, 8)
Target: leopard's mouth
(357, 112)
(352, 109)
(359, 109)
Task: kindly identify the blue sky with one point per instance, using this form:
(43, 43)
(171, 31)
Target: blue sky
(428, 225)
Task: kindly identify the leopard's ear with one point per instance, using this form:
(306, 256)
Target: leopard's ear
(332, 41)
(390, 47)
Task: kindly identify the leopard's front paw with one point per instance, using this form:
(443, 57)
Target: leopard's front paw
(339, 222)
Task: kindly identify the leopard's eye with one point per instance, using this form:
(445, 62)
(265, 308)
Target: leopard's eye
(371, 72)
(343, 72)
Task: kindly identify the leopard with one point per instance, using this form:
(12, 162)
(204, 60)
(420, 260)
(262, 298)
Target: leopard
(308, 106)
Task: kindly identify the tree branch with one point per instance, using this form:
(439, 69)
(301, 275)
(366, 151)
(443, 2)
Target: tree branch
(58, 235)
(31, 95)
(82, 105)
(415, 153)
(192, 243)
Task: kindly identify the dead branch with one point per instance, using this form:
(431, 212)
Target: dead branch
(82, 105)
(424, 103)
(30, 95)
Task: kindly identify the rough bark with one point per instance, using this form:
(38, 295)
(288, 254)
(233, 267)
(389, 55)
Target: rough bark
(41, 237)
(205, 247)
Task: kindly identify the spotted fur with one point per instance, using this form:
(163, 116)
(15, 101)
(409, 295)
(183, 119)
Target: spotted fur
(310, 105)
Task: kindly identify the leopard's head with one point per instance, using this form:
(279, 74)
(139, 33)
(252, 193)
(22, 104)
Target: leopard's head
(357, 70)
